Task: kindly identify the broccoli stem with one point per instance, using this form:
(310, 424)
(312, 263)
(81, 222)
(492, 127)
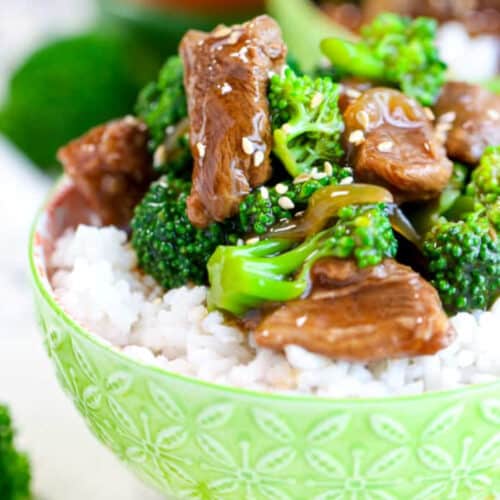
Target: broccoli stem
(277, 270)
(353, 58)
(304, 26)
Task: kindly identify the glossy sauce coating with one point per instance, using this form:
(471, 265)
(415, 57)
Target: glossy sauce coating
(385, 311)
(391, 142)
(226, 76)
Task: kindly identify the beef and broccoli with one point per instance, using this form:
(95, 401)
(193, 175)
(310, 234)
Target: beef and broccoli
(349, 210)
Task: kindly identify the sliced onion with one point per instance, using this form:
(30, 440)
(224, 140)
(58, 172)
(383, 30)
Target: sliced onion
(402, 225)
(325, 204)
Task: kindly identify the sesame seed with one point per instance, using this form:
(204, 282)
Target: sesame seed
(265, 333)
(253, 240)
(301, 321)
(281, 188)
(160, 155)
(385, 147)
(356, 137)
(286, 203)
(201, 149)
(301, 178)
(316, 100)
(222, 32)
(352, 93)
(428, 112)
(258, 158)
(226, 88)
(363, 118)
(318, 175)
(286, 128)
(328, 168)
(493, 114)
(241, 54)
(264, 193)
(440, 136)
(346, 180)
(442, 128)
(233, 38)
(448, 117)
(427, 146)
(247, 145)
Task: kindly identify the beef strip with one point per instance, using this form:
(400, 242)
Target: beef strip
(386, 311)
(391, 142)
(226, 76)
(111, 167)
(473, 116)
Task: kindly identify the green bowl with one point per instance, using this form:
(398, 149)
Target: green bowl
(193, 439)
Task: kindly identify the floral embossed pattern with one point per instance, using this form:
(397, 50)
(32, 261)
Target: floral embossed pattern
(200, 441)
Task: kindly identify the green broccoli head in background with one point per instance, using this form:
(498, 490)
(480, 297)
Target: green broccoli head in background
(394, 50)
(14, 466)
(70, 85)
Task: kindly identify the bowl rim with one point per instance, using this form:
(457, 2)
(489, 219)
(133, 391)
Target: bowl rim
(41, 286)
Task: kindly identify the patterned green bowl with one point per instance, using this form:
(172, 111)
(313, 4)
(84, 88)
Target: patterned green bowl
(193, 439)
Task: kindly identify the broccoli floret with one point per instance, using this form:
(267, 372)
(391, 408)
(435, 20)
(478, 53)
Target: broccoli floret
(485, 184)
(162, 105)
(265, 207)
(460, 243)
(306, 120)
(14, 466)
(244, 277)
(394, 50)
(167, 245)
(365, 233)
(464, 262)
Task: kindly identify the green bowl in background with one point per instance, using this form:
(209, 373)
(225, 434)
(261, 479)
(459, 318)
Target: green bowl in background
(198, 440)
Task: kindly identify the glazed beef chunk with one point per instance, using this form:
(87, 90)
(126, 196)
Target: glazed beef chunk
(111, 167)
(391, 142)
(350, 90)
(386, 311)
(472, 115)
(226, 76)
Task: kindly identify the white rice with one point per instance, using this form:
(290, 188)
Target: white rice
(469, 58)
(97, 283)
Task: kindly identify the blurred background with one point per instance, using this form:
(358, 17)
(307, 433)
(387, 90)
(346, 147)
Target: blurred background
(66, 65)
